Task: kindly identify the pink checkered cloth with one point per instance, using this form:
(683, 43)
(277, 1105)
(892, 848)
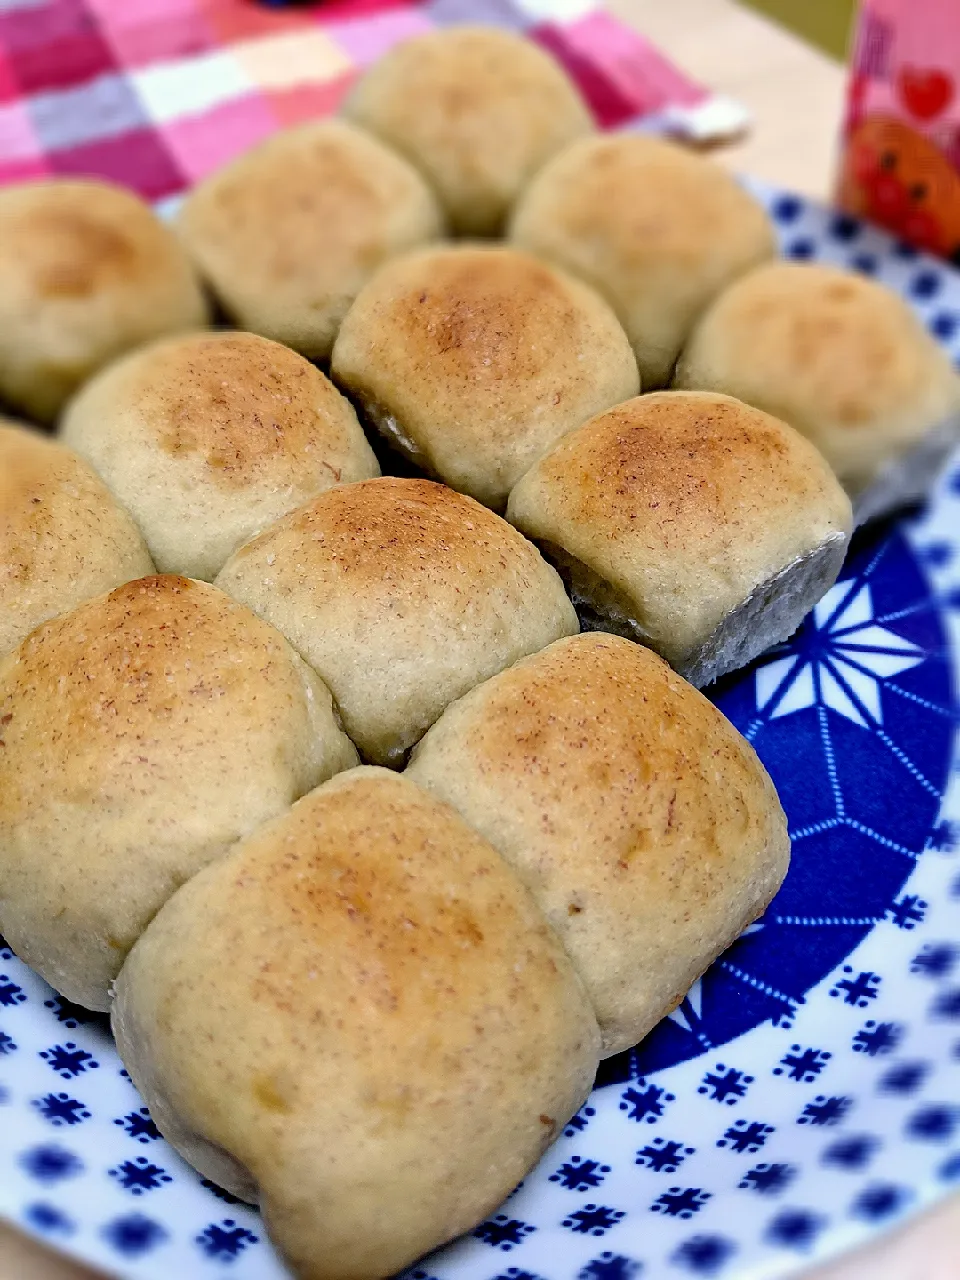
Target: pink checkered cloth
(157, 93)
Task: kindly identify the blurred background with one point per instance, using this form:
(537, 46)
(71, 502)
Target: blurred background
(825, 23)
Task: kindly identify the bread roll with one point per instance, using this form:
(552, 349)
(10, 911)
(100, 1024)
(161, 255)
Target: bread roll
(87, 271)
(143, 734)
(402, 595)
(474, 361)
(478, 110)
(287, 234)
(63, 538)
(360, 1019)
(644, 826)
(843, 360)
(690, 522)
(657, 230)
(209, 438)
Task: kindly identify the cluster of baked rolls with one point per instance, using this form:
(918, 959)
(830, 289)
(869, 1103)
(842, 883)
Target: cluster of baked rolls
(368, 995)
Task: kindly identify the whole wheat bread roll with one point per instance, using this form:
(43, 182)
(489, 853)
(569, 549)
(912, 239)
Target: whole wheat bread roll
(643, 824)
(473, 361)
(361, 1020)
(143, 734)
(691, 522)
(478, 110)
(843, 360)
(403, 595)
(287, 234)
(63, 538)
(658, 230)
(211, 437)
(87, 271)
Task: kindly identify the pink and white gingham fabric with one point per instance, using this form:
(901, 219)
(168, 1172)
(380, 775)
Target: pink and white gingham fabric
(157, 93)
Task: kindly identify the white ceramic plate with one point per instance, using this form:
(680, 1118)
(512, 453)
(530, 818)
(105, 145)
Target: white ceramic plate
(802, 1098)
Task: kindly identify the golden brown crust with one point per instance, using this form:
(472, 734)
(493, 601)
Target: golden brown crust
(480, 359)
(685, 504)
(211, 437)
(842, 359)
(169, 722)
(402, 594)
(63, 538)
(87, 271)
(657, 230)
(365, 1009)
(644, 825)
(287, 234)
(477, 110)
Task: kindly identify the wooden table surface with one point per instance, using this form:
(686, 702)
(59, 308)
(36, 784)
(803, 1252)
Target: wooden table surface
(795, 95)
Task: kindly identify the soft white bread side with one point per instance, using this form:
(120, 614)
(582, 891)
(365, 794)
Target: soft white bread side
(211, 437)
(846, 362)
(287, 234)
(643, 824)
(63, 537)
(478, 110)
(87, 271)
(474, 361)
(656, 229)
(360, 1019)
(143, 734)
(403, 595)
(691, 522)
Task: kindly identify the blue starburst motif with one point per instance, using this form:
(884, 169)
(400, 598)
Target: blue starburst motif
(579, 1174)
(593, 1219)
(138, 1176)
(877, 1038)
(726, 1085)
(60, 1108)
(10, 994)
(746, 1136)
(681, 1202)
(824, 1112)
(907, 912)
(859, 990)
(846, 657)
(662, 1156)
(68, 1060)
(503, 1232)
(139, 1126)
(225, 1240)
(579, 1121)
(803, 1064)
(646, 1102)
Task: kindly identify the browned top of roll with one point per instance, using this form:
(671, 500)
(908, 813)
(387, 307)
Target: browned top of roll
(63, 538)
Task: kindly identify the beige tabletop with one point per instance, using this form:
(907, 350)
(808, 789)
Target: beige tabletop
(795, 96)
